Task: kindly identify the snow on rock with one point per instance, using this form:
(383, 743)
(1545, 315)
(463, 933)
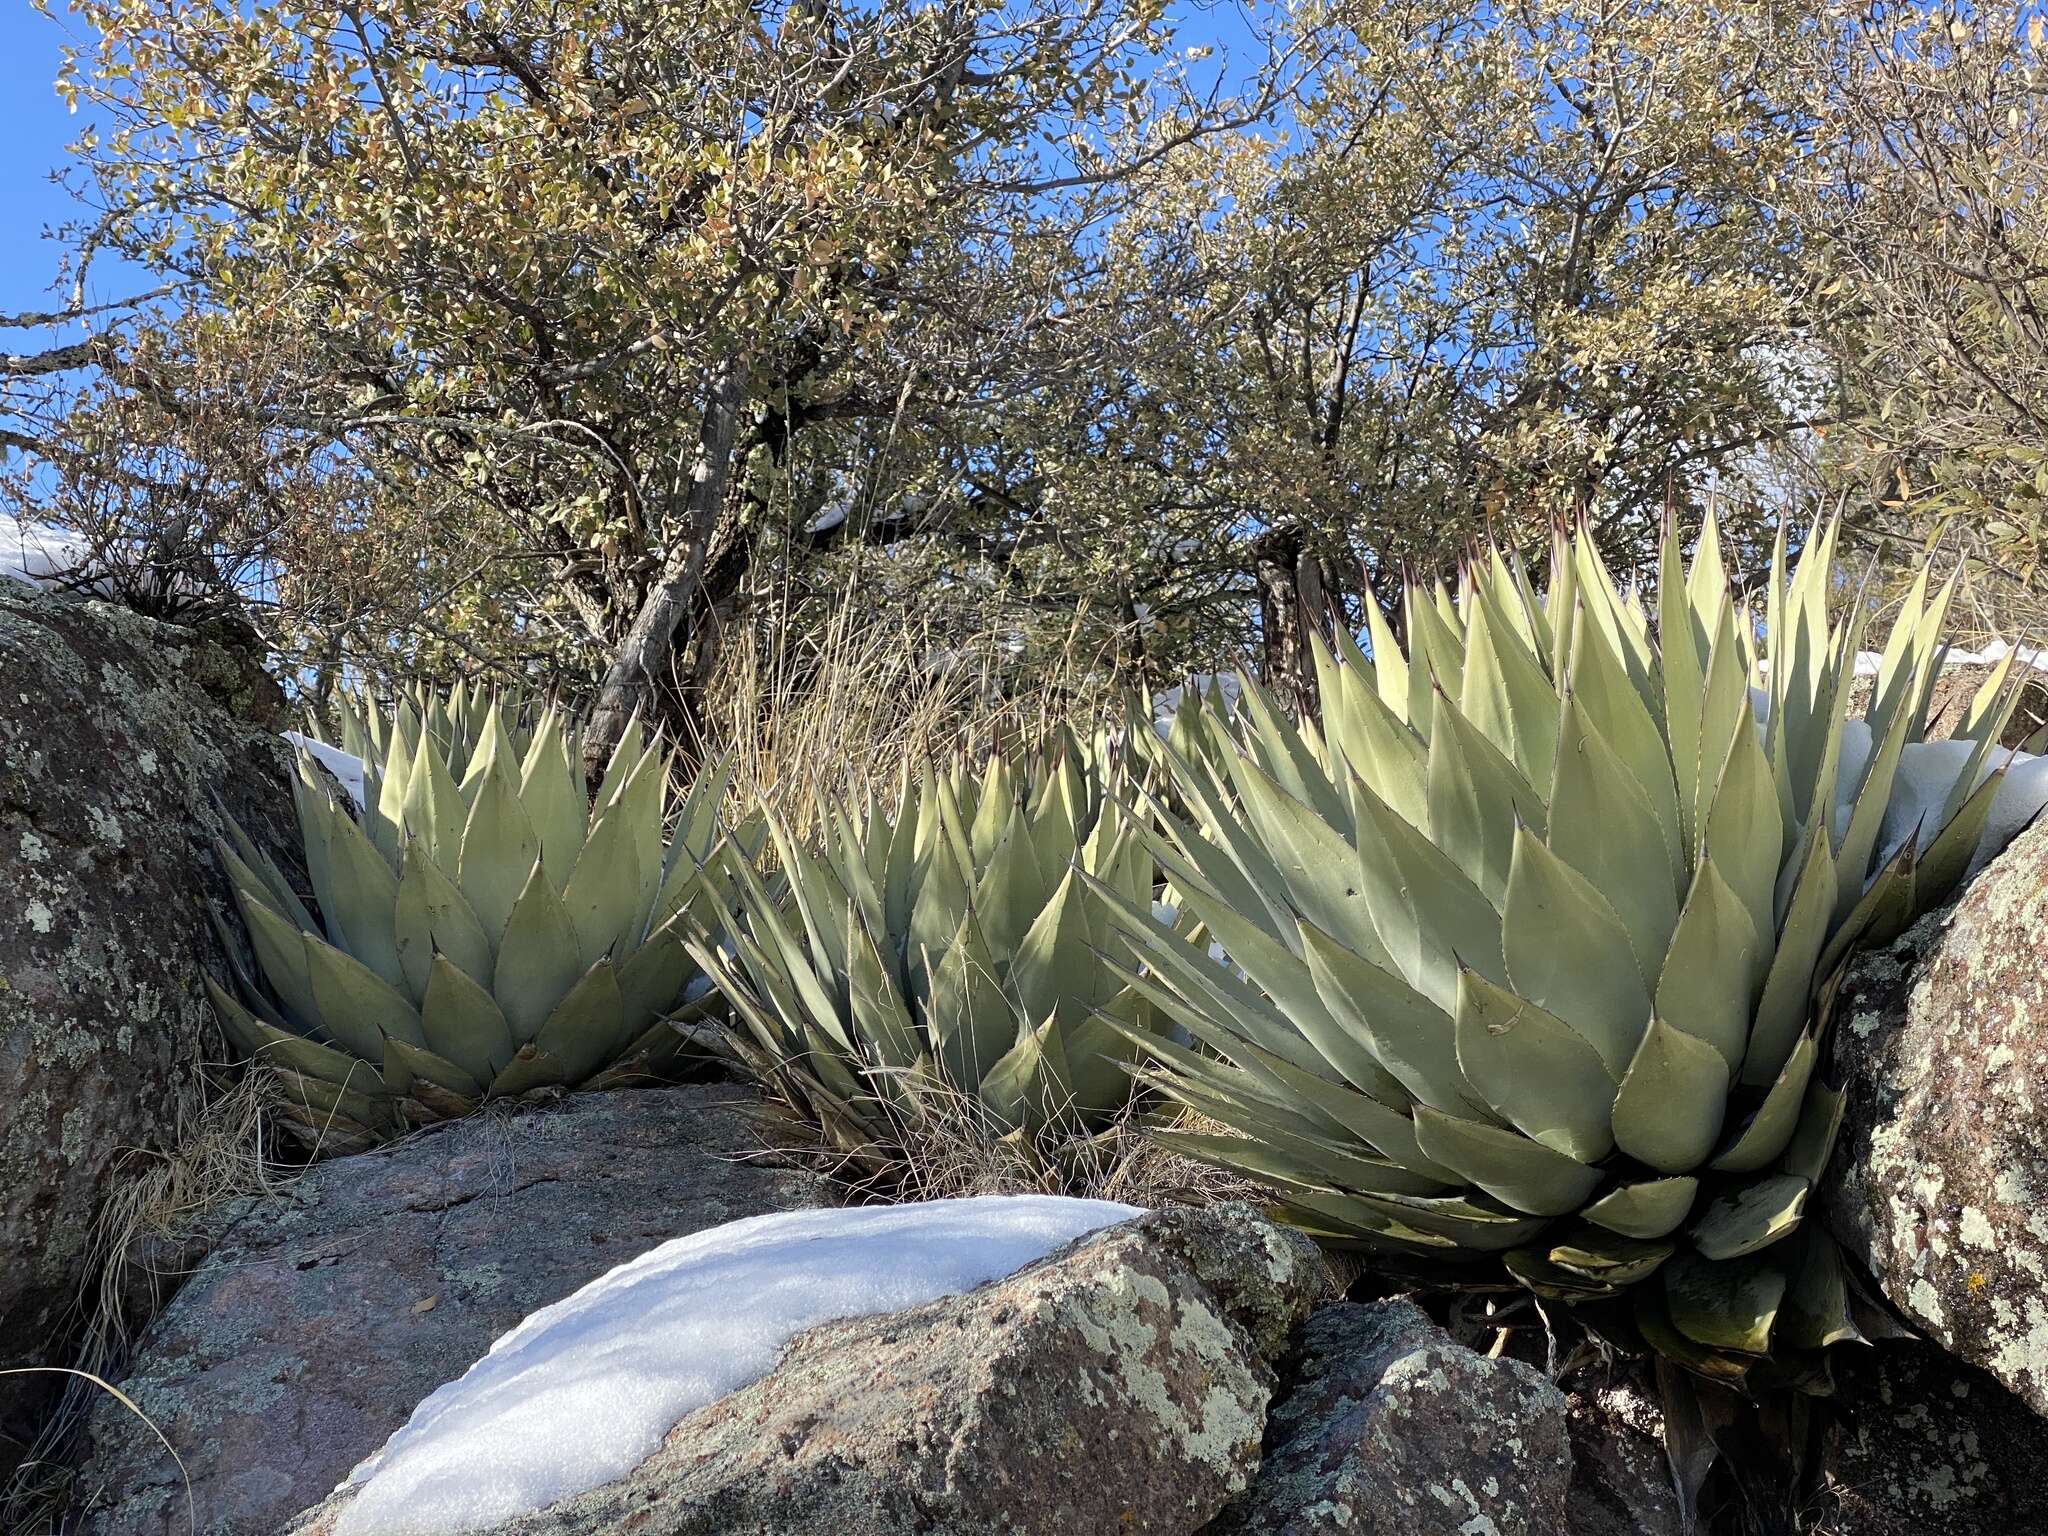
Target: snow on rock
(346, 768)
(584, 1390)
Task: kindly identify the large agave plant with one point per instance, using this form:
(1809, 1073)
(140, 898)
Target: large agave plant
(943, 953)
(454, 720)
(475, 939)
(1534, 938)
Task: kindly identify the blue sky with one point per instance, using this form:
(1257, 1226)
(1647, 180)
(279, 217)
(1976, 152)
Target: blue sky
(34, 128)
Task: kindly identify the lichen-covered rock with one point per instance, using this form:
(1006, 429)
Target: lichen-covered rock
(322, 1317)
(1923, 1445)
(1939, 1185)
(1389, 1427)
(1621, 1474)
(113, 754)
(1115, 1386)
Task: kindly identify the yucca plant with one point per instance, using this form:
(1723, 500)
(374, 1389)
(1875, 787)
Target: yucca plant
(941, 955)
(1533, 939)
(475, 939)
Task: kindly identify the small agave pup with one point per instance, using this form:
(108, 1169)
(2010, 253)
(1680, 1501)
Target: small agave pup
(948, 944)
(1541, 927)
(476, 939)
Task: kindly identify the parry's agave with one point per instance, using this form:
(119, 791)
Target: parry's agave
(476, 939)
(1540, 926)
(944, 951)
(453, 720)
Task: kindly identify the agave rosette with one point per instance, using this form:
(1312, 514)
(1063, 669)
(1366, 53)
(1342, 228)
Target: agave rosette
(944, 946)
(1533, 938)
(475, 938)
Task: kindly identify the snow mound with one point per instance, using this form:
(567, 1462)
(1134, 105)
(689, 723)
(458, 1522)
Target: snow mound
(584, 1390)
(345, 767)
(38, 553)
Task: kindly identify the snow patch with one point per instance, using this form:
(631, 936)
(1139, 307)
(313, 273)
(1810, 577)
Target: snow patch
(345, 767)
(584, 1390)
(40, 554)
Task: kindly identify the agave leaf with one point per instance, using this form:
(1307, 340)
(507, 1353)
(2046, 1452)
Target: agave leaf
(652, 977)
(1816, 1311)
(1820, 1121)
(1513, 1169)
(603, 896)
(1428, 914)
(260, 873)
(434, 917)
(240, 967)
(1317, 865)
(1598, 1255)
(357, 1006)
(1684, 674)
(877, 1010)
(1781, 1011)
(531, 1068)
(464, 1025)
(1745, 833)
(1481, 1228)
(1534, 1070)
(279, 1048)
(1603, 826)
(1019, 1087)
(1725, 717)
(1726, 1304)
(1374, 740)
(281, 953)
(1474, 796)
(1955, 845)
(406, 1066)
(553, 799)
(1555, 1282)
(972, 1023)
(1649, 1209)
(587, 1029)
(1294, 988)
(1093, 1050)
(1214, 991)
(936, 913)
(499, 851)
(1672, 1101)
(1711, 967)
(1569, 953)
(1012, 890)
(1609, 702)
(1389, 666)
(1409, 1035)
(1770, 1129)
(1056, 967)
(317, 815)
(1285, 756)
(1387, 1130)
(1508, 698)
(434, 810)
(1750, 1216)
(537, 961)
(364, 893)
(1435, 662)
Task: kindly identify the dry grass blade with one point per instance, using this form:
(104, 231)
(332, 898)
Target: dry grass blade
(191, 1509)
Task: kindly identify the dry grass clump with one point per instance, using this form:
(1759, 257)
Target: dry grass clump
(813, 719)
(951, 1147)
(140, 1248)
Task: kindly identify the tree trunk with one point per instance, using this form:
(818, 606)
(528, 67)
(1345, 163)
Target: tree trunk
(1292, 597)
(660, 628)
